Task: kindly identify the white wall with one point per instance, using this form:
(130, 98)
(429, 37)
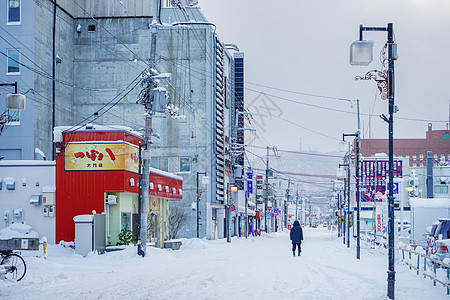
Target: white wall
(38, 174)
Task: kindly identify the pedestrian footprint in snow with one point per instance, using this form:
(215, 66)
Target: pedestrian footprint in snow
(296, 237)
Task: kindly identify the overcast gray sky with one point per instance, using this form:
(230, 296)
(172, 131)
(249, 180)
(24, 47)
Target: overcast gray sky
(303, 46)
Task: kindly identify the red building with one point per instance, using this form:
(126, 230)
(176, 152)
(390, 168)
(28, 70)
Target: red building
(97, 169)
(414, 149)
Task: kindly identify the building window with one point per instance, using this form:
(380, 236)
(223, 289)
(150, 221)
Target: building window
(13, 117)
(421, 164)
(414, 156)
(414, 165)
(407, 155)
(13, 61)
(185, 164)
(421, 156)
(160, 163)
(441, 189)
(125, 221)
(13, 12)
(442, 157)
(91, 28)
(435, 156)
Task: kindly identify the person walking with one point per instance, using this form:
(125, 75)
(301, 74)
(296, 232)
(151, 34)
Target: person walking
(296, 237)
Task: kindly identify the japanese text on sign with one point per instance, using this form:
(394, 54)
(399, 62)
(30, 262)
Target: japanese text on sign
(101, 157)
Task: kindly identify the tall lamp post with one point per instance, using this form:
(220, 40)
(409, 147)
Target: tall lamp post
(348, 199)
(205, 180)
(358, 200)
(361, 55)
(14, 102)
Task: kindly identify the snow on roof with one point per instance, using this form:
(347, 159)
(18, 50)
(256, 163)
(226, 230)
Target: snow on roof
(95, 127)
(7, 163)
(166, 174)
(83, 218)
(429, 202)
(49, 189)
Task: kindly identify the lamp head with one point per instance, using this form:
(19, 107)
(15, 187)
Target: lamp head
(361, 53)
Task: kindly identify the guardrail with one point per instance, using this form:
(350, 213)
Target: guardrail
(439, 273)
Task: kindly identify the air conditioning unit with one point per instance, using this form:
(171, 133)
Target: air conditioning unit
(111, 200)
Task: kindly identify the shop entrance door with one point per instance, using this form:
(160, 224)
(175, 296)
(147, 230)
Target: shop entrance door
(154, 230)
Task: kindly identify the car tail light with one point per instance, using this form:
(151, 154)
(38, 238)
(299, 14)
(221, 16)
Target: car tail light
(444, 249)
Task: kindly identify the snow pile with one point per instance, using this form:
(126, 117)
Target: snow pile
(193, 244)
(18, 230)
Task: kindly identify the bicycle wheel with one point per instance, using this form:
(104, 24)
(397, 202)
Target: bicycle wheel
(15, 266)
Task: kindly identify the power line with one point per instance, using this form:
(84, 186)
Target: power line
(300, 93)
(304, 153)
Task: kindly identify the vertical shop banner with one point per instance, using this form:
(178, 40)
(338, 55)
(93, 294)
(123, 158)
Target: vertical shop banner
(373, 175)
(101, 157)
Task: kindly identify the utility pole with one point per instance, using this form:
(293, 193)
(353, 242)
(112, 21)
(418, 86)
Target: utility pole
(286, 206)
(146, 154)
(54, 75)
(198, 204)
(266, 185)
(296, 206)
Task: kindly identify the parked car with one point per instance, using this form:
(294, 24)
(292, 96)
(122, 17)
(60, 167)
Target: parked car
(429, 238)
(438, 243)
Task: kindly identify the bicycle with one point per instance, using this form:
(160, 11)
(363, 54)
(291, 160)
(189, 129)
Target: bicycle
(14, 265)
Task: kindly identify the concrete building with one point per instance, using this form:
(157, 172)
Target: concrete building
(414, 149)
(101, 49)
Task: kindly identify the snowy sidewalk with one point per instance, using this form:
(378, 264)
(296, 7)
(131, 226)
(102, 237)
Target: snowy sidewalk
(254, 268)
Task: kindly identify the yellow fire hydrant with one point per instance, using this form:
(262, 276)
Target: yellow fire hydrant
(44, 245)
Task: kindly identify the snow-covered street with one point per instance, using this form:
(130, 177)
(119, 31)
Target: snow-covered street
(253, 268)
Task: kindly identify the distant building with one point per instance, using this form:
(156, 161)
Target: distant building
(414, 149)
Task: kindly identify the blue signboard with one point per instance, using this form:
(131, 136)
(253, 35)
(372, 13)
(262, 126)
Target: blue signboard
(395, 188)
(250, 182)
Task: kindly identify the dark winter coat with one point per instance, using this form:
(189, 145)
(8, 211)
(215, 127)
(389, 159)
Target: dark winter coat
(296, 233)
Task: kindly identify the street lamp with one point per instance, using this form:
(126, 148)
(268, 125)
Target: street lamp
(348, 197)
(385, 84)
(14, 101)
(205, 181)
(358, 201)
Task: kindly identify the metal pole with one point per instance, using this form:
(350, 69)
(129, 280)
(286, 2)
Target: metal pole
(54, 75)
(266, 185)
(227, 214)
(198, 208)
(246, 209)
(285, 205)
(358, 197)
(344, 214)
(391, 269)
(296, 206)
(348, 197)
